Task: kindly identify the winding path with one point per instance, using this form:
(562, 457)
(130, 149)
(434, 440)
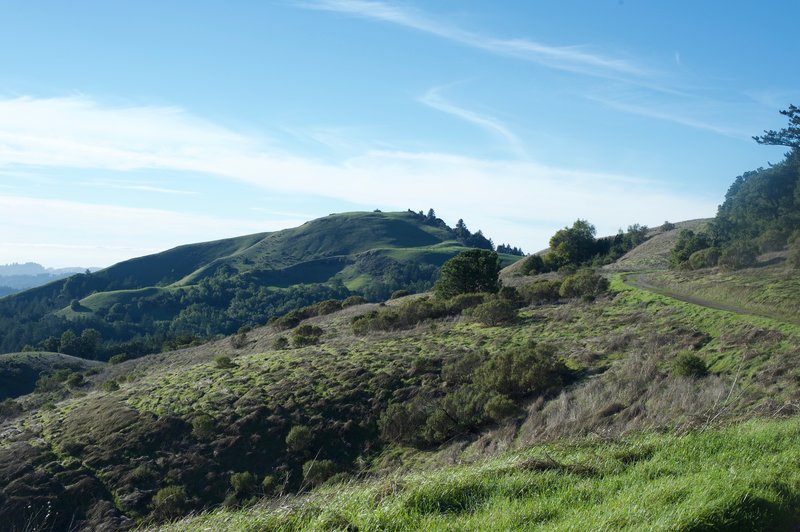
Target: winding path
(637, 280)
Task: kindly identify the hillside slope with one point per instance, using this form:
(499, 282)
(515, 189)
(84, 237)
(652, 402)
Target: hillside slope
(276, 411)
(200, 290)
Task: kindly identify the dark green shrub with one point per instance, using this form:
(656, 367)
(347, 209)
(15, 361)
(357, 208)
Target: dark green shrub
(705, 258)
(534, 265)
(402, 421)
(328, 306)
(474, 270)
(306, 335)
(511, 294)
(170, 502)
(224, 362)
(689, 365)
(203, 426)
(399, 293)
(772, 240)
(500, 407)
(741, 254)
(75, 380)
(521, 371)
(299, 438)
(110, 386)
(239, 340)
(281, 342)
(9, 409)
(494, 312)
(268, 485)
(315, 472)
(462, 302)
(353, 300)
(584, 283)
(542, 291)
(244, 483)
(688, 242)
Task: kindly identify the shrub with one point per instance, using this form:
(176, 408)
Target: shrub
(543, 291)
(110, 386)
(397, 294)
(268, 485)
(585, 283)
(461, 302)
(500, 407)
(328, 306)
(473, 270)
(75, 380)
(299, 438)
(9, 409)
(705, 258)
(353, 300)
(239, 340)
(203, 426)
(170, 502)
(511, 294)
(689, 365)
(533, 265)
(794, 250)
(118, 359)
(315, 472)
(772, 240)
(224, 362)
(494, 312)
(281, 342)
(306, 335)
(244, 484)
(738, 255)
(522, 371)
(667, 226)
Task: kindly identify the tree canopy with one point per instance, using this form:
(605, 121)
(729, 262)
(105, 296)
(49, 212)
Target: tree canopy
(474, 270)
(788, 136)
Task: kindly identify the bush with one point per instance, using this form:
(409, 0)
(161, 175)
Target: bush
(170, 502)
(494, 312)
(543, 291)
(224, 362)
(203, 426)
(532, 369)
(689, 365)
(353, 300)
(511, 294)
(306, 335)
(9, 409)
(533, 265)
(794, 250)
(315, 472)
(75, 380)
(741, 254)
(705, 258)
(397, 294)
(585, 283)
(474, 270)
(461, 302)
(244, 484)
(328, 306)
(239, 340)
(281, 342)
(268, 485)
(299, 438)
(772, 240)
(118, 359)
(500, 407)
(110, 386)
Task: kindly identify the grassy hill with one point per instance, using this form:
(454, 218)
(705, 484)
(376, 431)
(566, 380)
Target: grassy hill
(572, 400)
(194, 292)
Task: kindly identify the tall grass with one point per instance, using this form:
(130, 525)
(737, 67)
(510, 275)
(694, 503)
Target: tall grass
(743, 477)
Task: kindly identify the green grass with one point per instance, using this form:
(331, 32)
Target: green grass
(743, 477)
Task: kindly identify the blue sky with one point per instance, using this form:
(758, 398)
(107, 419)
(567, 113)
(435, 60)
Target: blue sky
(129, 128)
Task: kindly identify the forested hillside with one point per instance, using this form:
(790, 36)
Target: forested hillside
(191, 293)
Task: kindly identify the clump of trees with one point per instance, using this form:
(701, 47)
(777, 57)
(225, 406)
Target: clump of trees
(474, 270)
(576, 246)
(760, 212)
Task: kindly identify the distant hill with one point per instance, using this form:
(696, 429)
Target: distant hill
(200, 290)
(17, 277)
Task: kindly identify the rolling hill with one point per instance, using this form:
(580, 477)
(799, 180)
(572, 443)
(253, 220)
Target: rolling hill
(193, 292)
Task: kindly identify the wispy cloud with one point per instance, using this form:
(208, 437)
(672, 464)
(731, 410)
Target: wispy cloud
(141, 187)
(673, 113)
(433, 98)
(147, 138)
(570, 58)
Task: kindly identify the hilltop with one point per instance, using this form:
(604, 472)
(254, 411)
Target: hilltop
(191, 293)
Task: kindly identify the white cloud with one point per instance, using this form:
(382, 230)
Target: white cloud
(569, 58)
(514, 201)
(435, 100)
(65, 233)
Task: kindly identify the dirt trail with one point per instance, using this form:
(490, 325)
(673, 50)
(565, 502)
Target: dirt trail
(637, 280)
